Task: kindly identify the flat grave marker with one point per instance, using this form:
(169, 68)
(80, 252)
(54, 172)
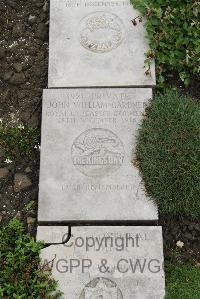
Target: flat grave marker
(106, 262)
(87, 169)
(94, 44)
(88, 141)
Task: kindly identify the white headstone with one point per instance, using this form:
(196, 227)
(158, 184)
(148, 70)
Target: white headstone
(87, 151)
(108, 263)
(94, 43)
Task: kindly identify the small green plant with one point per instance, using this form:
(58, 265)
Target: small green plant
(30, 205)
(182, 281)
(168, 154)
(18, 140)
(173, 29)
(21, 274)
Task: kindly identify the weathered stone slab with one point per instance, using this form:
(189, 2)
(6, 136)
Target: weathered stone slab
(94, 43)
(88, 139)
(53, 234)
(109, 262)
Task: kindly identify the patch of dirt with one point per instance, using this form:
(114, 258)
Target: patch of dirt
(193, 90)
(19, 188)
(23, 59)
(23, 76)
(181, 238)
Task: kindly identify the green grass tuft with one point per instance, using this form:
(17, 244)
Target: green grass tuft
(182, 282)
(19, 141)
(168, 153)
(21, 274)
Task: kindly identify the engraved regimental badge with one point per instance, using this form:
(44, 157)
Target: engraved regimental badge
(101, 32)
(97, 152)
(101, 288)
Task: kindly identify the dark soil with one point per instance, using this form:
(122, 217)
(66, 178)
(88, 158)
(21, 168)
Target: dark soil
(23, 59)
(193, 90)
(23, 76)
(181, 229)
